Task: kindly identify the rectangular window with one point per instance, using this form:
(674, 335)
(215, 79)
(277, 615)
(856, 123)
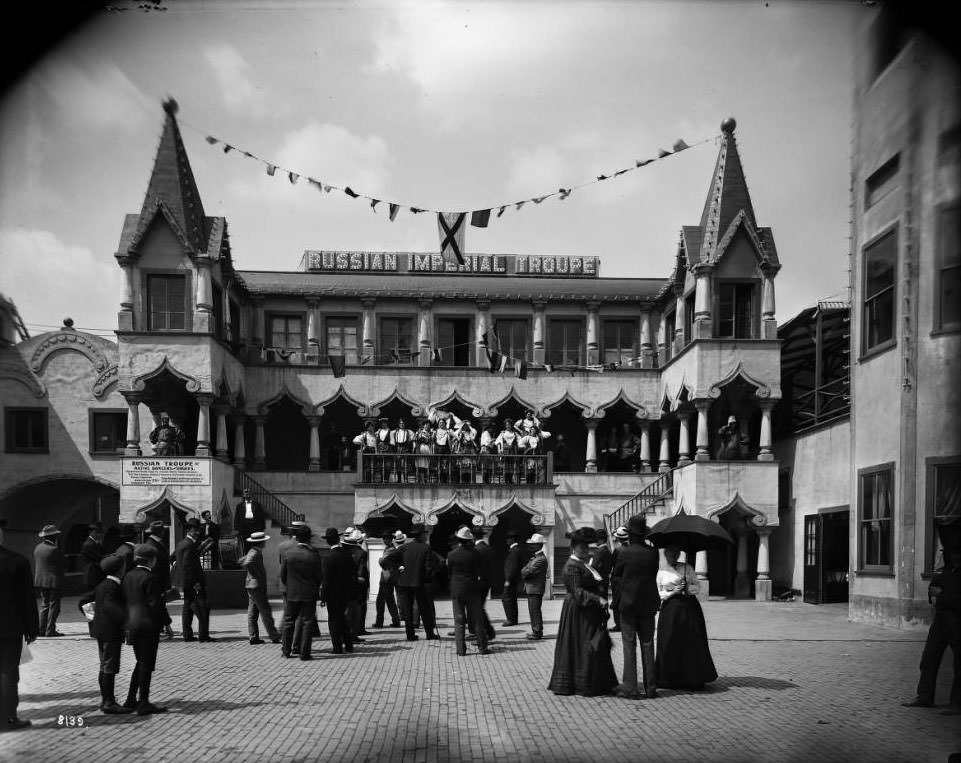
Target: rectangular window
(234, 322)
(735, 314)
(882, 182)
(396, 340)
(880, 264)
(948, 296)
(26, 430)
(670, 323)
(566, 342)
(167, 300)
(688, 318)
(453, 341)
(944, 503)
(618, 338)
(286, 331)
(108, 432)
(512, 337)
(875, 514)
(342, 338)
(218, 297)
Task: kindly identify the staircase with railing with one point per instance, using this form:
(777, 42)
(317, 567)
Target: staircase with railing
(279, 512)
(642, 503)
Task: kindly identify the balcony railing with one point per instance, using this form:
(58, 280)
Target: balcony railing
(454, 469)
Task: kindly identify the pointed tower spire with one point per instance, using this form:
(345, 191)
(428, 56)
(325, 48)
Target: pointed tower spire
(728, 194)
(172, 186)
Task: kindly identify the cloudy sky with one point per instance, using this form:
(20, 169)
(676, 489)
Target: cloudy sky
(446, 105)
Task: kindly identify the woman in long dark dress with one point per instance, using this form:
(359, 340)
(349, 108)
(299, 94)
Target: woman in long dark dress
(582, 653)
(683, 655)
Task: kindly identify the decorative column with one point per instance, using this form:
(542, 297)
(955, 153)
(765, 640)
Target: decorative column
(702, 453)
(203, 425)
(133, 424)
(768, 321)
(700, 569)
(222, 453)
(225, 311)
(684, 439)
(424, 332)
(680, 319)
(764, 444)
(313, 326)
(590, 456)
(203, 319)
(260, 450)
(367, 329)
(313, 459)
(742, 584)
(483, 323)
(703, 327)
(645, 446)
(125, 318)
(540, 352)
(259, 322)
(647, 349)
(240, 446)
(593, 351)
(665, 455)
(763, 584)
(662, 341)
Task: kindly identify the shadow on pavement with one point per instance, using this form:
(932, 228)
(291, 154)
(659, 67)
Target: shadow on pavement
(178, 706)
(749, 682)
(60, 695)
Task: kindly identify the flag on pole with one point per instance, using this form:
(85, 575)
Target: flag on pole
(450, 225)
(338, 364)
(642, 162)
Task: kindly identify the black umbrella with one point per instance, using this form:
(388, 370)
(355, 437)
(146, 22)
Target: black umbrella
(690, 533)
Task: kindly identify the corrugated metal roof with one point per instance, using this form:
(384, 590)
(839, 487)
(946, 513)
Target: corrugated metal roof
(448, 286)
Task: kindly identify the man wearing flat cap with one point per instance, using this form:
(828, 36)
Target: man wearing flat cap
(636, 572)
(301, 574)
(534, 574)
(194, 583)
(92, 552)
(465, 568)
(49, 567)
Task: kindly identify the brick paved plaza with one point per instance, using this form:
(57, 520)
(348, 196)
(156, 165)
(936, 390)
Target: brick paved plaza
(797, 682)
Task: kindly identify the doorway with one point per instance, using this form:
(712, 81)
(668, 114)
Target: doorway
(826, 556)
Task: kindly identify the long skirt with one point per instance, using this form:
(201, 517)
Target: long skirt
(683, 655)
(582, 653)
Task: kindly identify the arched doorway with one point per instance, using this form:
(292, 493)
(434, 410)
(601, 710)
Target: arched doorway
(339, 425)
(737, 399)
(388, 521)
(286, 437)
(167, 394)
(514, 520)
(566, 420)
(611, 431)
(722, 565)
(442, 538)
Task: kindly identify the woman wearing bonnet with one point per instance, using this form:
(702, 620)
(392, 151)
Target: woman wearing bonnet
(683, 655)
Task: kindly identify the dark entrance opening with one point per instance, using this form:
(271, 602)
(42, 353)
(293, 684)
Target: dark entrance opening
(514, 520)
(442, 541)
(286, 437)
(390, 520)
(512, 410)
(395, 410)
(167, 394)
(610, 433)
(566, 420)
(826, 557)
(454, 341)
(722, 565)
(339, 425)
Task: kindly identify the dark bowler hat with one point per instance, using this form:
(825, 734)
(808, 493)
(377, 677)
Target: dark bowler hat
(637, 525)
(302, 534)
(157, 527)
(112, 564)
(582, 535)
(601, 534)
(193, 524)
(416, 531)
(144, 551)
(332, 533)
(95, 527)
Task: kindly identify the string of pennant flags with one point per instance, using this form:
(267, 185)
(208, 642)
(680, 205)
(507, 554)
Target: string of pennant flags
(451, 225)
(497, 361)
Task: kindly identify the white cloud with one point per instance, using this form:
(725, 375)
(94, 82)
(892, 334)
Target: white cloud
(100, 96)
(327, 152)
(241, 96)
(40, 273)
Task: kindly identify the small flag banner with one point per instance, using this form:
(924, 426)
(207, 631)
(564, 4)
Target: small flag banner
(478, 218)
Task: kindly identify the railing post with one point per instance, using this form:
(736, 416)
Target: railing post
(550, 467)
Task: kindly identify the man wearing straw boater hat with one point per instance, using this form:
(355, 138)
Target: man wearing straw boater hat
(49, 567)
(534, 574)
(466, 572)
(351, 540)
(621, 539)
(256, 585)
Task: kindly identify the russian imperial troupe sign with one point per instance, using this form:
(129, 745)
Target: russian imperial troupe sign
(145, 472)
(551, 266)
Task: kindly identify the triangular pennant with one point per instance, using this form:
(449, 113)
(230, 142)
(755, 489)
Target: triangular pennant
(520, 368)
(450, 226)
(338, 364)
(480, 218)
(415, 210)
(292, 176)
(602, 177)
(350, 192)
(328, 188)
(501, 211)
(271, 169)
(316, 183)
(374, 203)
(392, 211)
(680, 145)
(211, 140)
(564, 193)
(661, 153)
(228, 148)
(519, 204)
(248, 154)
(619, 172)
(642, 162)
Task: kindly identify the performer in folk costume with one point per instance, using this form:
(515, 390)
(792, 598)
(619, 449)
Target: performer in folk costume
(367, 440)
(487, 447)
(465, 443)
(384, 446)
(424, 446)
(531, 444)
(443, 442)
(167, 438)
(506, 443)
(628, 450)
(402, 440)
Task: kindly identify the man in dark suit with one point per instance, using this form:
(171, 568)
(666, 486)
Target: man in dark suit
(339, 580)
(146, 617)
(414, 576)
(128, 539)
(92, 552)
(513, 583)
(621, 540)
(357, 605)
(466, 572)
(636, 573)
(256, 585)
(157, 538)
(282, 549)
(19, 622)
(210, 533)
(483, 549)
(300, 572)
(109, 616)
(249, 517)
(194, 583)
(601, 559)
(534, 574)
(49, 566)
(388, 581)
